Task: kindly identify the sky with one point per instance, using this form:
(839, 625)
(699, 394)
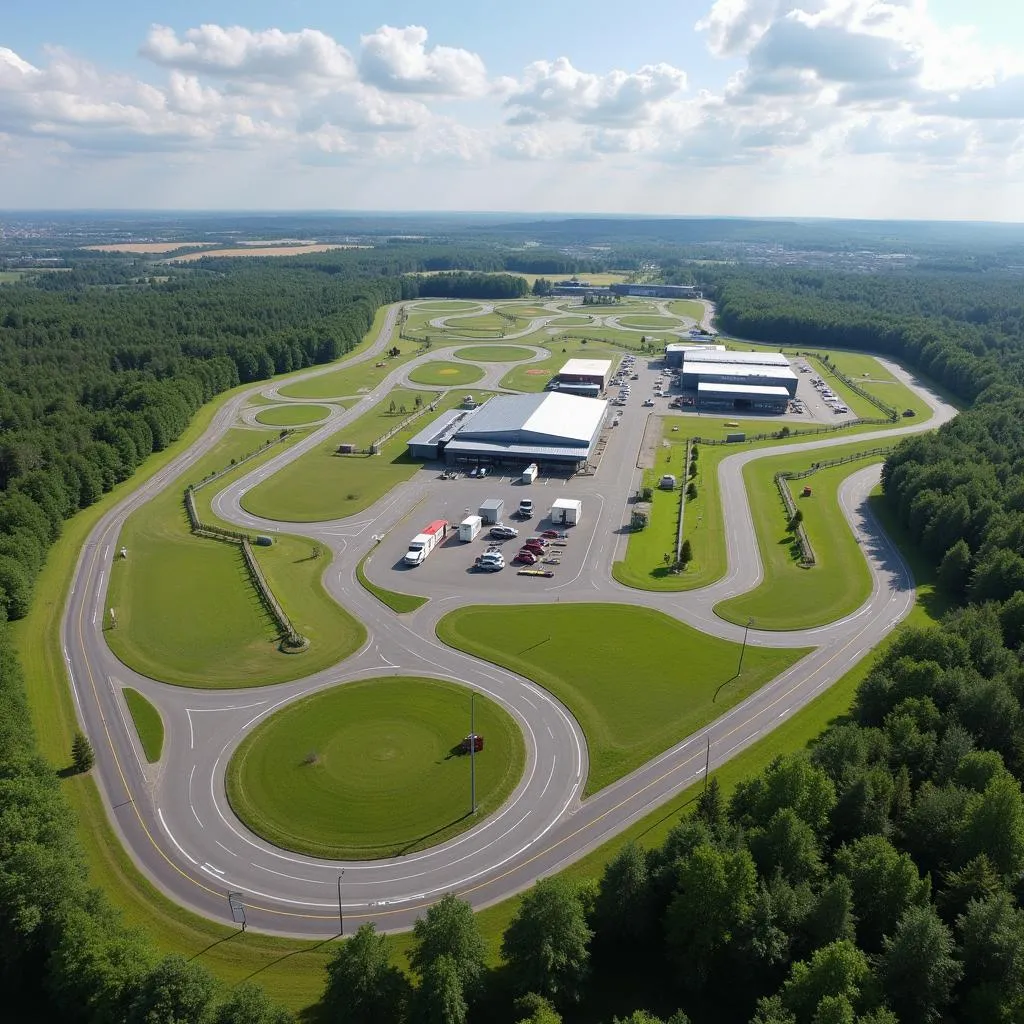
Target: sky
(910, 109)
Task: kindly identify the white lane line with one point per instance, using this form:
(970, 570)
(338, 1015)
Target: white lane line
(192, 806)
(191, 731)
(211, 870)
(170, 835)
(225, 848)
(281, 874)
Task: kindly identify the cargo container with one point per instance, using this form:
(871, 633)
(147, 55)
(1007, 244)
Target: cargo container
(470, 527)
(423, 543)
(566, 511)
(530, 473)
(491, 509)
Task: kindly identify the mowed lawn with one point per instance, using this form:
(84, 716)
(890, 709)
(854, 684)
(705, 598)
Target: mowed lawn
(636, 680)
(351, 380)
(655, 322)
(494, 353)
(449, 374)
(687, 307)
(533, 376)
(371, 769)
(292, 415)
(790, 596)
(322, 485)
(187, 611)
(148, 724)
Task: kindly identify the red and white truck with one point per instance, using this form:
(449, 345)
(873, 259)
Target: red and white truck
(423, 543)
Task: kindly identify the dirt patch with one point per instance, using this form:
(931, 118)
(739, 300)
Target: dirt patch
(537, 373)
(273, 250)
(651, 443)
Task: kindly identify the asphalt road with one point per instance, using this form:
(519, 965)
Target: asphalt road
(173, 817)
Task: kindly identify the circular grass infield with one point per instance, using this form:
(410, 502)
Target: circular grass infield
(495, 353)
(292, 415)
(452, 374)
(369, 769)
(658, 323)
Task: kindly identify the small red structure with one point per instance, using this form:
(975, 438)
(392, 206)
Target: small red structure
(806, 492)
(474, 741)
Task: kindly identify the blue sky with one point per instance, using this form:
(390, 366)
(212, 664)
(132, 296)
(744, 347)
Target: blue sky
(862, 108)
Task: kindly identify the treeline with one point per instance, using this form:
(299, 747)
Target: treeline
(875, 878)
(464, 285)
(964, 331)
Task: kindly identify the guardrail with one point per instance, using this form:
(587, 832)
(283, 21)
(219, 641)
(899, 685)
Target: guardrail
(779, 435)
(781, 482)
(290, 636)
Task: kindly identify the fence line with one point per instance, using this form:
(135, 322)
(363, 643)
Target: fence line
(684, 483)
(291, 636)
(780, 435)
(376, 445)
(856, 387)
(781, 482)
(242, 461)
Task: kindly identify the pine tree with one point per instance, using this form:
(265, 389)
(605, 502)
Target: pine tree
(82, 755)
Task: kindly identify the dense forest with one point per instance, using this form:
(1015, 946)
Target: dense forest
(873, 879)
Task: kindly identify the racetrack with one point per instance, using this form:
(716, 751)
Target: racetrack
(174, 819)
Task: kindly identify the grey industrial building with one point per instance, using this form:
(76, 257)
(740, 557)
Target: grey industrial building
(742, 397)
(720, 354)
(695, 374)
(550, 428)
(658, 291)
(675, 352)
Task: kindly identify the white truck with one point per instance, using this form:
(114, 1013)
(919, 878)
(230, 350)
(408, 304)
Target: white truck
(566, 511)
(470, 527)
(423, 543)
(530, 473)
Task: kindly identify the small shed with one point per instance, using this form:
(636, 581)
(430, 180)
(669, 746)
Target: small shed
(491, 509)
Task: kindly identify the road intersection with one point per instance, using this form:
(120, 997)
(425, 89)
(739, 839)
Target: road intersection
(174, 819)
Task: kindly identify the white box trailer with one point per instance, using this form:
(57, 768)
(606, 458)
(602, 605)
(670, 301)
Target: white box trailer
(530, 473)
(566, 511)
(470, 527)
(423, 543)
(491, 510)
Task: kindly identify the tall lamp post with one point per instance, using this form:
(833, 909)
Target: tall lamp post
(746, 630)
(341, 911)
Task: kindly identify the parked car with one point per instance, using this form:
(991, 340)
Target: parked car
(526, 556)
(526, 508)
(492, 561)
(483, 472)
(473, 471)
(533, 545)
(502, 532)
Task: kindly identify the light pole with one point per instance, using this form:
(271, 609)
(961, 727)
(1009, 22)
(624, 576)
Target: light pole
(746, 630)
(472, 752)
(341, 912)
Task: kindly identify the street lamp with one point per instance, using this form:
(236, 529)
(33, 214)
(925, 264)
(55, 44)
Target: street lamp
(746, 630)
(341, 912)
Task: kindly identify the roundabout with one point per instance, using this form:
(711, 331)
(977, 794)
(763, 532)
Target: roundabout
(373, 769)
(292, 415)
(448, 374)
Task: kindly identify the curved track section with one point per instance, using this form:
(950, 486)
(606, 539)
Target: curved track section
(174, 817)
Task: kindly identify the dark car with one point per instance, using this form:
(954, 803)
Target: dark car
(502, 532)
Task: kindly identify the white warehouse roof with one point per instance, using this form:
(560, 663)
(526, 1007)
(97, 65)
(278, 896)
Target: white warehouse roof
(548, 418)
(750, 358)
(766, 390)
(587, 367)
(739, 370)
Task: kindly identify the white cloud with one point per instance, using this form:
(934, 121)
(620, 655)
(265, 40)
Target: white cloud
(240, 52)
(557, 91)
(397, 60)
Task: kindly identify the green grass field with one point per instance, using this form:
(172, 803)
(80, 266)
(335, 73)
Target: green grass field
(10, 276)
(448, 374)
(400, 603)
(292, 415)
(790, 596)
(687, 307)
(655, 322)
(323, 485)
(372, 769)
(533, 376)
(483, 322)
(568, 321)
(204, 624)
(636, 680)
(354, 379)
(148, 724)
(494, 353)
(445, 306)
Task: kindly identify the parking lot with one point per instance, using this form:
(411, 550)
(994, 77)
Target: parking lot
(453, 563)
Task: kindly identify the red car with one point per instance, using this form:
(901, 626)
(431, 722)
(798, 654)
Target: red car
(526, 556)
(535, 546)
(551, 534)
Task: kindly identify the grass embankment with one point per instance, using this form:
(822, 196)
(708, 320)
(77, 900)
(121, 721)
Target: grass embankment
(687, 307)
(869, 373)
(292, 415)
(148, 724)
(791, 596)
(322, 485)
(373, 769)
(636, 680)
(448, 374)
(187, 611)
(400, 603)
(494, 353)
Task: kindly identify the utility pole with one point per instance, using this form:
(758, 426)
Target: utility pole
(746, 630)
(341, 912)
(472, 751)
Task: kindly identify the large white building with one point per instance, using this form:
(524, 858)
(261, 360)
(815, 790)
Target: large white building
(550, 428)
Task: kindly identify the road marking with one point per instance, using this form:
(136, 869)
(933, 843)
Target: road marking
(181, 850)
(225, 848)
